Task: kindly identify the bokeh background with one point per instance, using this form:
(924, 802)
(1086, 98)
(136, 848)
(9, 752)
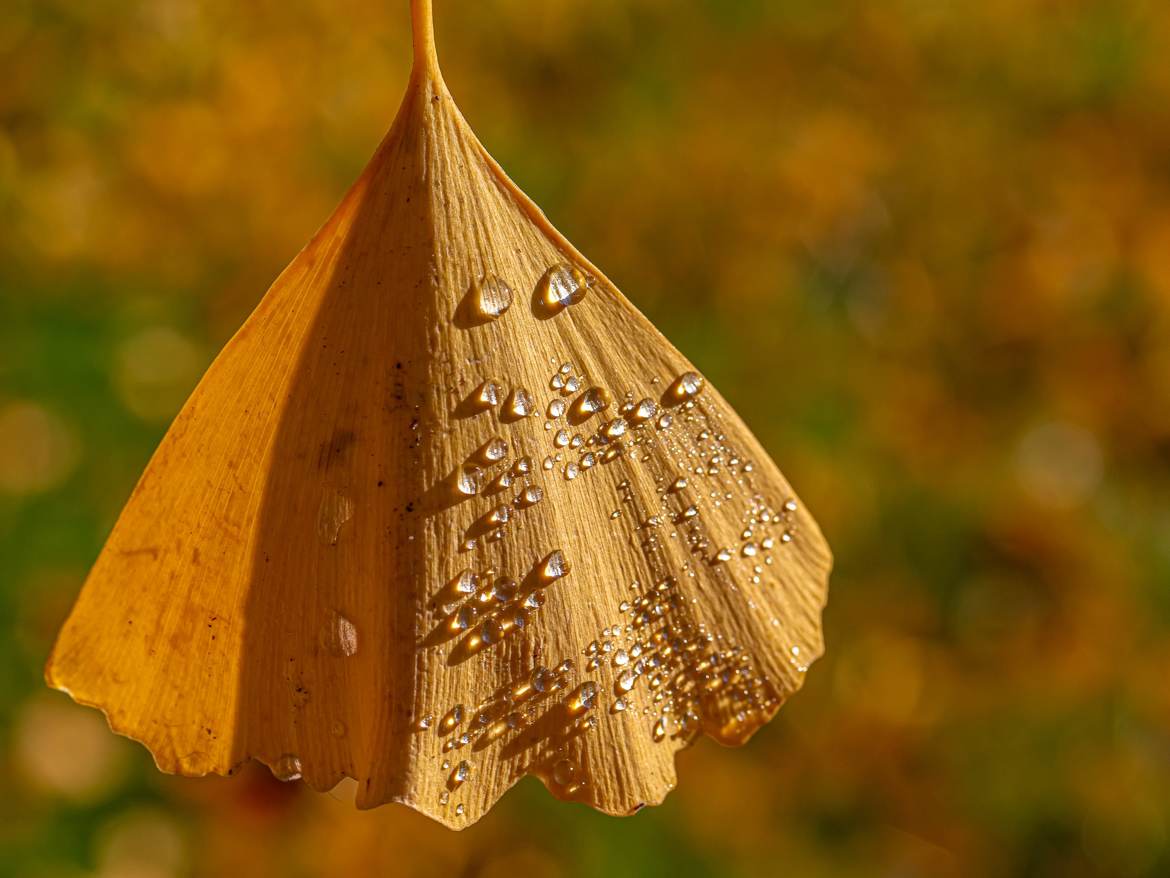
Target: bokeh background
(924, 247)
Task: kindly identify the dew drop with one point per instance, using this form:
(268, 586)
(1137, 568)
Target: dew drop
(488, 394)
(452, 718)
(520, 403)
(532, 495)
(626, 680)
(461, 773)
(468, 481)
(287, 768)
(584, 698)
(644, 411)
(466, 582)
(564, 773)
(571, 471)
(556, 408)
(555, 566)
(493, 451)
(592, 401)
(615, 428)
(490, 297)
(561, 286)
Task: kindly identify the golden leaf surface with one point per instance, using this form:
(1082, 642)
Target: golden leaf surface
(448, 511)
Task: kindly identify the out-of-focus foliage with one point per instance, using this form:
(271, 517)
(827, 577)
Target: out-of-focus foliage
(924, 247)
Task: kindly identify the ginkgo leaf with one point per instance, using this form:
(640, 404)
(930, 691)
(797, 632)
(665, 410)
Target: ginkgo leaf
(445, 512)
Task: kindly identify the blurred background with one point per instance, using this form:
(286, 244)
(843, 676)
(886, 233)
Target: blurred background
(923, 247)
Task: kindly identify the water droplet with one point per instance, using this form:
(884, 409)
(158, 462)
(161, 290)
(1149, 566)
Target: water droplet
(592, 401)
(493, 451)
(287, 768)
(336, 509)
(660, 730)
(542, 679)
(459, 809)
(664, 421)
(493, 632)
(615, 428)
(686, 386)
(571, 471)
(678, 484)
(490, 297)
(452, 718)
(627, 679)
(532, 495)
(584, 698)
(499, 516)
(749, 550)
(466, 582)
(555, 566)
(462, 619)
(566, 368)
(724, 555)
(534, 601)
(468, 481)
(621, 658)
(561, 439)
(425, 722)
(557, 383)
(561, 286)
(564, 773)
(520, 403)
(461, 773)
(487, 395)
(790, 506)
(644, 411)
(573, 385)
(619, 705)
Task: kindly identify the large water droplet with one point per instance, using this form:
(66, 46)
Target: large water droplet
(493, 450)
(520, 403)
(561, 286)
(564, 772)
(686, 386)
(287, 768)
(554, 567)
(593, 400)
(490, 297)
(644, 411)
(584, 698)
(468, 481)
(452, 718)
(461, 773)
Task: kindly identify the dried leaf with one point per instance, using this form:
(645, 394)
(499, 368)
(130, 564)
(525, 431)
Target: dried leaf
(447, 511)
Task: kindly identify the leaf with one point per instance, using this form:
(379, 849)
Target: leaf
(447, 511)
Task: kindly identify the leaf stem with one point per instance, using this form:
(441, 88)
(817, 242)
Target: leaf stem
(423, 27)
